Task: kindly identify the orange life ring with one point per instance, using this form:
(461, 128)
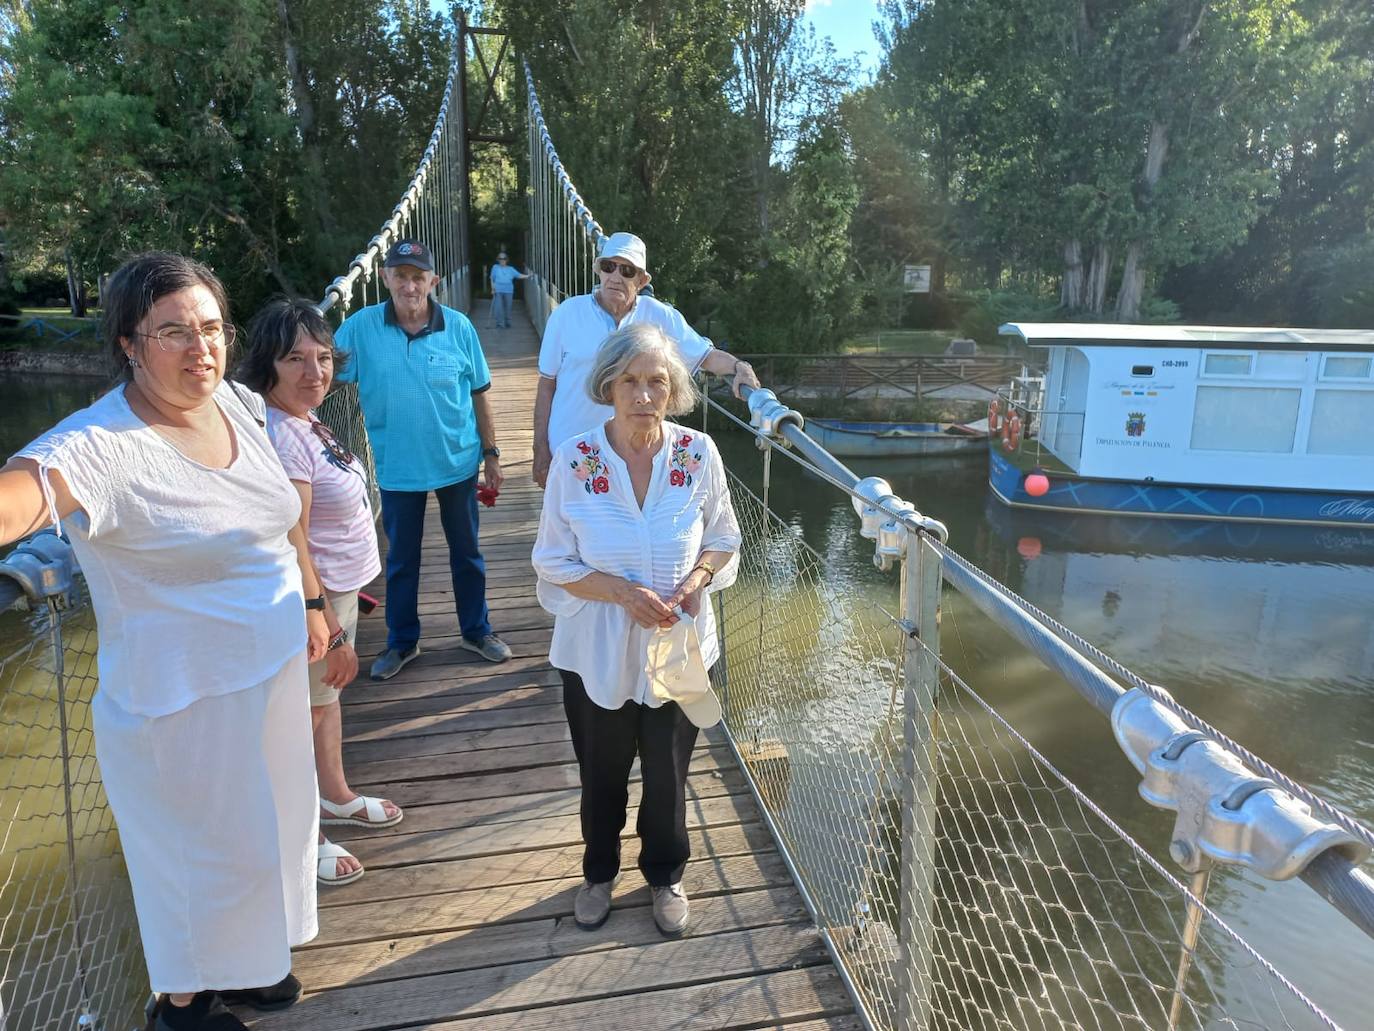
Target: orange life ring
(994, 416)
(1011, 432)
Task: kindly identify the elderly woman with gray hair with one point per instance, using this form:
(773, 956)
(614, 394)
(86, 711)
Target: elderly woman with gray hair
(637, 527)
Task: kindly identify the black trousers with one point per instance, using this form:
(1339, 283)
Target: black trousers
(606, 742)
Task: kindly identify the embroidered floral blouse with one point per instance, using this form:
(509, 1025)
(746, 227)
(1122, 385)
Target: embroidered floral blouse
(591, 522)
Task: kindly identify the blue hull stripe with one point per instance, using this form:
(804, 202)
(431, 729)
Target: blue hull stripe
(1121, 497)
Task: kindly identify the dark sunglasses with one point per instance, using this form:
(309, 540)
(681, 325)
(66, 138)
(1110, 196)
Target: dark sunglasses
(626, 270)
(331, 443)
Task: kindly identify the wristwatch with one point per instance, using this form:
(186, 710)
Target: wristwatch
(491, 452)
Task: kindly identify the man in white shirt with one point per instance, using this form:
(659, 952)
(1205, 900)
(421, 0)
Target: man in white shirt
(575, 330)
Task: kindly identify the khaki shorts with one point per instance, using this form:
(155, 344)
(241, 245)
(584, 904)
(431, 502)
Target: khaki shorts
(345, 606)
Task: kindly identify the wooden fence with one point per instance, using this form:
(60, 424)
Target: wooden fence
(853, 376)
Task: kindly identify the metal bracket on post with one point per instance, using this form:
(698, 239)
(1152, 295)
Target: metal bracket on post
(42, 567)
(768, 415)
(1226, 813)
(887, 519)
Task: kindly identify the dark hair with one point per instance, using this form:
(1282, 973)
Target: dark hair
(139, 284)
(273, 333)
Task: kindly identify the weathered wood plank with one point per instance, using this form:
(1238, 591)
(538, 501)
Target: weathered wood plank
(381, 882)
(519, 986)
(526, 837)
(524, 780)
(519, 808)
(706, 883)
(789, 999)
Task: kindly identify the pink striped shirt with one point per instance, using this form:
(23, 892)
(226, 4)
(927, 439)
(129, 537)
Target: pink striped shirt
(343, 535)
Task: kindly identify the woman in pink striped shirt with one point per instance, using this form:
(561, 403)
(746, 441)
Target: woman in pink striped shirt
(290, 360)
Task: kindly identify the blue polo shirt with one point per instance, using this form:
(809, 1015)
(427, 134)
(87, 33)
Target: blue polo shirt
(416, 394)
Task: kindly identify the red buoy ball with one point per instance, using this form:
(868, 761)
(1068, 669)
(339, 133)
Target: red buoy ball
(1029, 547)
(1037, 484)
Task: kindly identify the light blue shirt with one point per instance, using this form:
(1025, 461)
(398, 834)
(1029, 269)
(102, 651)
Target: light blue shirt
(416, 394)
(503, 279)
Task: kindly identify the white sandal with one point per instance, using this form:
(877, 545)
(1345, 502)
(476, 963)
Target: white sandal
(328, 869)
(363, 811)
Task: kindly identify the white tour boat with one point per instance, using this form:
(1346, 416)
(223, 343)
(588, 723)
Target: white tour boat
(1202, 422)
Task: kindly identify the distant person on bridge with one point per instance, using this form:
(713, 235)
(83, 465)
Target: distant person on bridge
(636, 523)
(576, 329)
(502, 277)
(422, 383)
(184, 523)
(290, 360)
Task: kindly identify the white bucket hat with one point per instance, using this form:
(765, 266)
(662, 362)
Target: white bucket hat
(627, 246)
(677, 674)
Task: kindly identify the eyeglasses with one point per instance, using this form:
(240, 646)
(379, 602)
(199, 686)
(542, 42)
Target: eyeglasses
(331, 443)
(626, 270)
(182, 338)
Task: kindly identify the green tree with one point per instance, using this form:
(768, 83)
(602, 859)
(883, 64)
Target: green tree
(1102, 138)
(635, 97)
(267, 137)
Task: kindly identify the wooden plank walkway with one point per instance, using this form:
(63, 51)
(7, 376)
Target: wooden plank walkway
(464, 918)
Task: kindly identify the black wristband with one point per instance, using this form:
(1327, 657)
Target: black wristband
(315, 603)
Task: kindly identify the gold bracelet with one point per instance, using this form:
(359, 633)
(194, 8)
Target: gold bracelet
(710, 571)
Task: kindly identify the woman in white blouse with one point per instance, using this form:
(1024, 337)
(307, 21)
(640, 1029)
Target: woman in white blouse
(184, 525)
(637, 526)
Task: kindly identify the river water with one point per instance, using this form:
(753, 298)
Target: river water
(1266, 632)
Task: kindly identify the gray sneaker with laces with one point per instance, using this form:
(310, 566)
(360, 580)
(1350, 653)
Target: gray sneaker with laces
(490, 647)
(671, 910)
(592, 906)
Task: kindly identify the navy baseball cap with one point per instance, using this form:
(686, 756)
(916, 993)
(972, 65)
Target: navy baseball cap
(410, 252)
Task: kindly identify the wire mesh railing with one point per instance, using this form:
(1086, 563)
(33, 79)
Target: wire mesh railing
(70, 954)
(960, 879)
(564, 237)
(69, 949)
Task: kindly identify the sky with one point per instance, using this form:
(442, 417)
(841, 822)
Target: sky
(849, 24)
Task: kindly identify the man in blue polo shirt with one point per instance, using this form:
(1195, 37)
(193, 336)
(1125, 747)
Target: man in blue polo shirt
(422, 382)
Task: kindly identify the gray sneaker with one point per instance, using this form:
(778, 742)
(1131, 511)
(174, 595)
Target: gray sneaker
(670, 910)
(391, 661)
(592, 906)
(490, 647)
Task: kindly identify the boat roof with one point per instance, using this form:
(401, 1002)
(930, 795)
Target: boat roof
(1250, 338)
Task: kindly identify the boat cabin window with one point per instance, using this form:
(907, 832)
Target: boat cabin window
(1339, 421)
(1245, 418)
(1346, 367)
(1227, 364)
(1142, 370)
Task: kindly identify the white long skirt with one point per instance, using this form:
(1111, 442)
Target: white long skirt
(218, 814)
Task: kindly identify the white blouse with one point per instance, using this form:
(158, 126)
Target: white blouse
(591, 522)
(195, 587)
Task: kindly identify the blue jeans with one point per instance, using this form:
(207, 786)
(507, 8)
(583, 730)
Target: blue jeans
(500, 308)
(403, 519)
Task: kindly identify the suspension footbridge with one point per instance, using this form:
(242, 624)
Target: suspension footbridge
(875, 845)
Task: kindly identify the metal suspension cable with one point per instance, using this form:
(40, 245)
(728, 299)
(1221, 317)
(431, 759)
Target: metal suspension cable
(580, 227)
(416, 209)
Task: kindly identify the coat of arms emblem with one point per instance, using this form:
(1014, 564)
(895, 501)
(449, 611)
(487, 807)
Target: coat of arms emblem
(1135, 424)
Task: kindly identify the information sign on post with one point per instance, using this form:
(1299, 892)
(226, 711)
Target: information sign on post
(916, 279)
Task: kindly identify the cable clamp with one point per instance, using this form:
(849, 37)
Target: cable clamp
(1226, 812)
